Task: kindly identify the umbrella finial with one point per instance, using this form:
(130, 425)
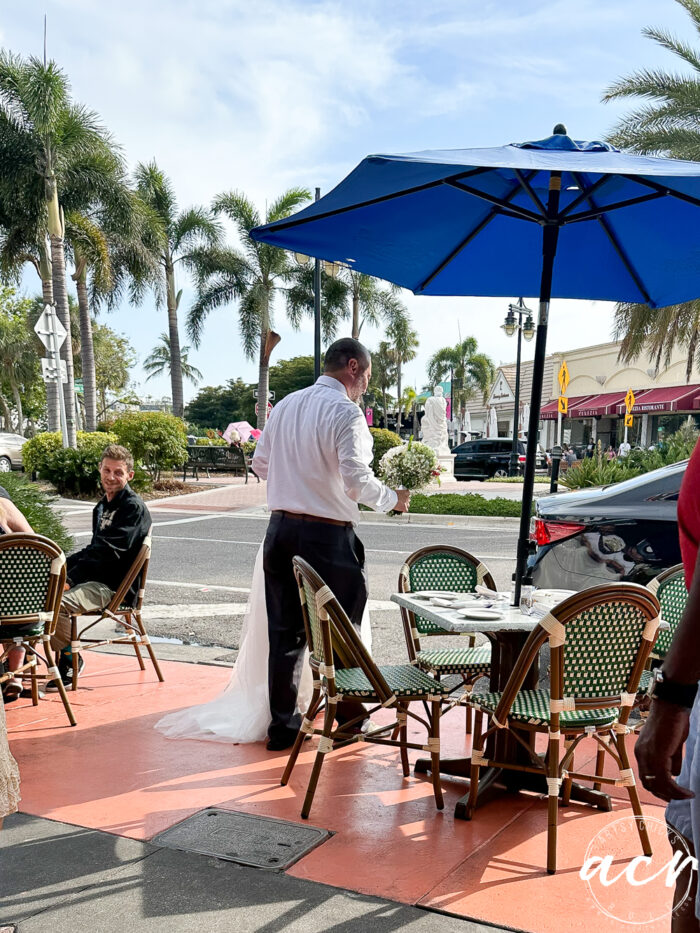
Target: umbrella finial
(560, 130)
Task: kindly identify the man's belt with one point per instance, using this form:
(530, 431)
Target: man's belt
(301, 517)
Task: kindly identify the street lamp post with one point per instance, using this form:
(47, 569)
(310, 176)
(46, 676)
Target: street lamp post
(330, 268)
(526, 330)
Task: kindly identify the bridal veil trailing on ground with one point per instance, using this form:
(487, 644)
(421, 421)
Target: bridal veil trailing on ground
(242, 712)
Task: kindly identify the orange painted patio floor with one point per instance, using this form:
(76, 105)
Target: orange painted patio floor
(114, 772)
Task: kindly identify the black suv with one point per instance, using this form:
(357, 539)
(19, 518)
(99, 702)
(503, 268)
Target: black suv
(487, 457)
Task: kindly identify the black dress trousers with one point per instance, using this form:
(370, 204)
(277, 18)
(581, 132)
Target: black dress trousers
(337, 555)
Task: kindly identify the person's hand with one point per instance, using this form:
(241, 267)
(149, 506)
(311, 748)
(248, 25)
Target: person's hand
(66, 586)
(404, 498)
(659, 750)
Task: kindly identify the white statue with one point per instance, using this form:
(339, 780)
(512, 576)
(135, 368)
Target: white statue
(434, 423)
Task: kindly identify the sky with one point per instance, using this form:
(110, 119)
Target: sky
(259, 97)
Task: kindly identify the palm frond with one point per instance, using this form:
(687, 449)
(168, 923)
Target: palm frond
(194, 227)
(287, 203)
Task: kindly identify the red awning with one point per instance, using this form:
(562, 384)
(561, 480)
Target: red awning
(549, 411)
(669, 398)
(597, 405)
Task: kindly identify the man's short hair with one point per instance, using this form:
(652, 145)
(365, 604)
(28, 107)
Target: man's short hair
(339, 354)
(117, 452)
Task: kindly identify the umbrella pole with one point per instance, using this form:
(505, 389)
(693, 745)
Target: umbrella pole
(550, 235)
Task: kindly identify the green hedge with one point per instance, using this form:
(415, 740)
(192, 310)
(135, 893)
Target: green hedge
(454, 503)
(35, 505)
(383, 440)
(156, 439)
(74, 472)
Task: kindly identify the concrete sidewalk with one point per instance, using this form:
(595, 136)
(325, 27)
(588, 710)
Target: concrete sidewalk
(63, 878)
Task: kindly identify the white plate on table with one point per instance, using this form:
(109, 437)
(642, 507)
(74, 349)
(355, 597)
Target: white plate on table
(481, 615)
(435, 594)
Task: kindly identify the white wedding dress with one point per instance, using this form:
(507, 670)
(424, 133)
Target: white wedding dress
(242, 712)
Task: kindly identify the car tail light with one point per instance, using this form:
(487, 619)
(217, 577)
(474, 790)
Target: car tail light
(549, 532)
(521, 458)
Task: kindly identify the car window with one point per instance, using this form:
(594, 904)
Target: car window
(464, 448)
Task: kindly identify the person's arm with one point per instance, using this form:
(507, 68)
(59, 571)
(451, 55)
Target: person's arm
(111, 544)
(354, 446)
(659, 749)
(14, 519)
(261, 457)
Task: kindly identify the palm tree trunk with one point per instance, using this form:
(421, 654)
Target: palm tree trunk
(6, 413)
(18, 405)
(386, 416)
(398, 392)
(264, 366)
(87, 350)
(355, 315)
(54, 417)
(173, 333)
(60, 292)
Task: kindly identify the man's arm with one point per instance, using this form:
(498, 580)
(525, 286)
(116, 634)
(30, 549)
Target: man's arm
(354, 445)
(111, 544)
(14, 518)
(261, 457)
(659, 749)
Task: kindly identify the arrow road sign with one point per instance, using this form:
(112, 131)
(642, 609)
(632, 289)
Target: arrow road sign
(270, 395)
(563, 406)
(563, 378)
(629, 400)
(48, 370)
(48, 325)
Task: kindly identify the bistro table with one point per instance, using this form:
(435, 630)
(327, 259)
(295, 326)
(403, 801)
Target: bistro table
(507, 636)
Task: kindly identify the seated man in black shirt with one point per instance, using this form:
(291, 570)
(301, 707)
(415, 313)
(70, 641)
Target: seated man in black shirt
(120, 522)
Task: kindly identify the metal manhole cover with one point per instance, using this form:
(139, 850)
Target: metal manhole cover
(259, 841)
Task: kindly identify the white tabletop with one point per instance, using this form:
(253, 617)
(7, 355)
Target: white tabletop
(513, 620)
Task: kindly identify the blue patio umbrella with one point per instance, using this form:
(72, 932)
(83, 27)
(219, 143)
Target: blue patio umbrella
(555, 217)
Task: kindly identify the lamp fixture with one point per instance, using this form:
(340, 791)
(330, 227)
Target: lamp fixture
(510, 324)
(529, 328)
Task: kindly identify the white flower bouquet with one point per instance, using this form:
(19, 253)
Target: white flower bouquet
(410, 466)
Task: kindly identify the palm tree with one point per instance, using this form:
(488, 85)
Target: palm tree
(252, 276)
(369, 302)
(470, 370)
(300, 299)
(48, 144)
(383, 375)
(18, 361)
(405, 341)
(669, 122)
(186, 237)
(658, 332)
(159, 361)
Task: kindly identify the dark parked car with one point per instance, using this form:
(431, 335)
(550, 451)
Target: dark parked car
(490, 456)
(625, 531)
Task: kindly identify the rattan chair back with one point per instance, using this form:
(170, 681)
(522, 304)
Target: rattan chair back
(600, 641)
(670, 590)
(33, 574)
(438, 567)
(330, 634)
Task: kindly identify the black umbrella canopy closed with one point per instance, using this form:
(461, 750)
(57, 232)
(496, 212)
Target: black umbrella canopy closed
(555, 217)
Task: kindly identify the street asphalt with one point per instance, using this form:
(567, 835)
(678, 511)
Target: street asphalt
(202, 566)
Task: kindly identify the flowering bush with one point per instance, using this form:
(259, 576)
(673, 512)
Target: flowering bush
(411, 465)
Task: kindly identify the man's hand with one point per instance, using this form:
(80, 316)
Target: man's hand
(404, 498)
(659, 750)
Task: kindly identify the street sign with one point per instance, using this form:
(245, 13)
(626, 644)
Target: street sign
(257, 408)
(563, 378)
(629, 400)
(563, 405)
(629, 420)
(48, 371)
(79, 387)
(48, 325)
(270, 395)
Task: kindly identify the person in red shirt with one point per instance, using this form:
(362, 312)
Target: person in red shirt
(674, 719)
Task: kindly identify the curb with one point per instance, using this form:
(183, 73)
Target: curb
(413, 518)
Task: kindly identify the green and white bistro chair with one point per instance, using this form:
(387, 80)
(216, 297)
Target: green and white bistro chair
(600, 641)
(332, 640)
(670, 590)
(32, 578)
(443, 567)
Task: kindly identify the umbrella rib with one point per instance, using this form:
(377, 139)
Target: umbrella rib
(525, 184)
(521, 212)
(663, 189)
(604, 209)
(604, 179)
(285, 224)
(603, 221)
(467, 240)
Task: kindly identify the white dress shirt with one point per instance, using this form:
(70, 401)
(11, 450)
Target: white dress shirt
(316, 455)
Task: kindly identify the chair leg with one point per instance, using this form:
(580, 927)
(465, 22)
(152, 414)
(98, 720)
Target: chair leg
(75, 652)
(477, 746)
(599, 766)
(468, 721)
(324, 746)
(53, 672)
(129, 619)
(634, 796)
(34, 684)
(403, 737)
(145, 640)
(301, 735)
(435, 711)
(552, 804)
(568, 782)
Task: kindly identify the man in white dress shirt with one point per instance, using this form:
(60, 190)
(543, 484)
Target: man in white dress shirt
(316, 455)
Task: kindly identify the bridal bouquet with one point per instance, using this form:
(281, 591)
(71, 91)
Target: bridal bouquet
(411, 466)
